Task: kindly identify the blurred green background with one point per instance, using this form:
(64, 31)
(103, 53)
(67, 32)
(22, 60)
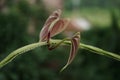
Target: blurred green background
(21, 22)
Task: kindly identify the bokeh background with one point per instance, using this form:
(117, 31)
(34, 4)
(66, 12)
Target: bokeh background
(22, 20)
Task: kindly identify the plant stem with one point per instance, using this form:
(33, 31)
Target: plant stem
(100, 51)
(19, 51)
(94, 50)
(29, 47)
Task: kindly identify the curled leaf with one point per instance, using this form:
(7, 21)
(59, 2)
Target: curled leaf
(53, 26)
(49, 22)
(74, 47)
(59, 27)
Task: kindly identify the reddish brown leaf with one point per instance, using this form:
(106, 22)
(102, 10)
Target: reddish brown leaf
(59, 27)
(45, 30)
(74, 47)
(53, 26)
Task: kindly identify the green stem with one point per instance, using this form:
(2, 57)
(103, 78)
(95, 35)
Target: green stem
(19, 51)
(29, 47)
(95, 50)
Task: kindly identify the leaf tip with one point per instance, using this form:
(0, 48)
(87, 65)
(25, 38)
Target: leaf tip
(63, 68)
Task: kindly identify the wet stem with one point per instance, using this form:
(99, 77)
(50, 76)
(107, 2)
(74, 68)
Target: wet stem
(29, 47)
